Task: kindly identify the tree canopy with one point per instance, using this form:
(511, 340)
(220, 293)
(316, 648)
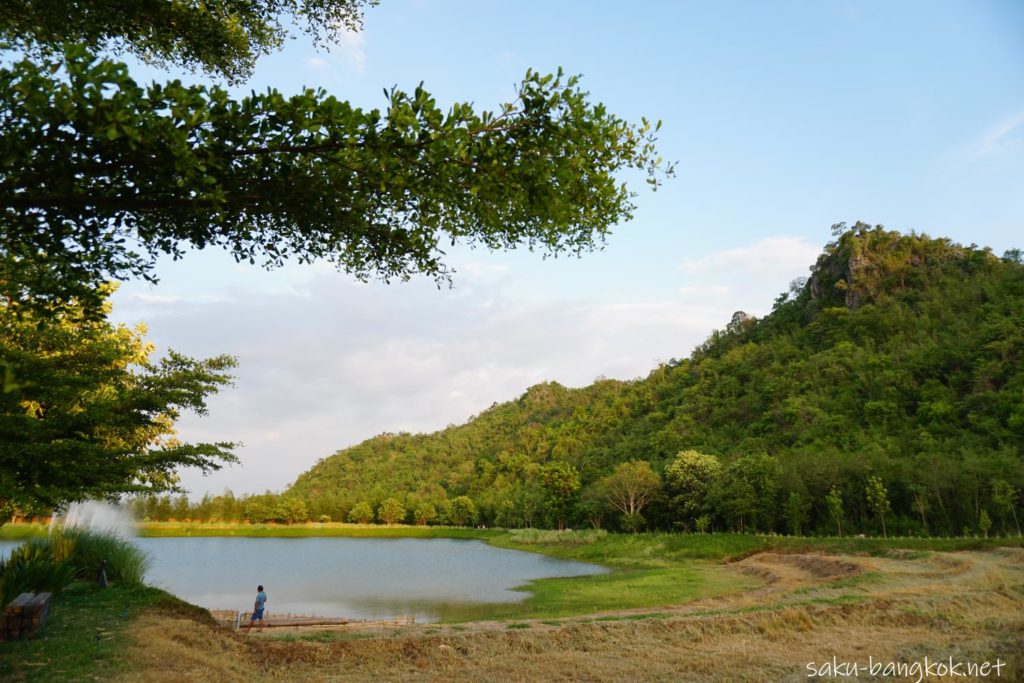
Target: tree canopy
(629, 489)
(87, 414)
(99, 175)
(224, 37)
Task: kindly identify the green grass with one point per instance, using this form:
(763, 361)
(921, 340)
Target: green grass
(856, 581)
(620, 589)
(319, 636)
(23, 532)
(636, 551)
(66, 647)
(657, 549)
(176, 529)
(635, 617)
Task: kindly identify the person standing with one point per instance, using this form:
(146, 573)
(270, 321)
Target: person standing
(257, 610)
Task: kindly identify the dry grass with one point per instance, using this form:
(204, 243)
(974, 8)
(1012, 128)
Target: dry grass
(966, 605)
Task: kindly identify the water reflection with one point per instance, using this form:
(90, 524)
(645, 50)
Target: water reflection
(351, 577)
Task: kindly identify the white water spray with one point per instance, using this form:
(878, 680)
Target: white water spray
(98, 516)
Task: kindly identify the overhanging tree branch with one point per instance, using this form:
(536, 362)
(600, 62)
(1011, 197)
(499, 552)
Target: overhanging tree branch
(91, 158)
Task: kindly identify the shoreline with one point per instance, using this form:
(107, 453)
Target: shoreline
(725, 546)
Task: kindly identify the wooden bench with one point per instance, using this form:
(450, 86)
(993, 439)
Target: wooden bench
(24, 614)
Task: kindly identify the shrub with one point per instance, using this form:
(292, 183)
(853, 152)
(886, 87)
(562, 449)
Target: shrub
(31, 568)
(554, 537)
(290, 510)
(69, 553)
(425, 513)
(125, 562)
(633, 522)
(463, 512)
(361, 513)
(391, 511)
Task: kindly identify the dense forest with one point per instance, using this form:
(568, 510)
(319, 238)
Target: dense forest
(883, 394)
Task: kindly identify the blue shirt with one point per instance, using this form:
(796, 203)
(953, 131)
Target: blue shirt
(261, 600)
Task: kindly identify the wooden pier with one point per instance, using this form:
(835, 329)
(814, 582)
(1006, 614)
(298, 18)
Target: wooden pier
(235, 620)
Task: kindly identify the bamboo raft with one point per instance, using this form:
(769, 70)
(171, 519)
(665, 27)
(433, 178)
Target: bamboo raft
(234, 620)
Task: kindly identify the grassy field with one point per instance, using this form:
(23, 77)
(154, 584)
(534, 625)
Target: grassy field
(656, 569)
(656, 549)
(88, 632)
(619, 590)
(896, 606)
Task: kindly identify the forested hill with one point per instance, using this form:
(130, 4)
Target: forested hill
(887, 388)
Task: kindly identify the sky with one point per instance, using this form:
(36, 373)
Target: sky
(783, 118)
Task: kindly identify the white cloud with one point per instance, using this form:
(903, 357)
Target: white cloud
(172, 300)
(475, 269)
(353, 48)
(786, 256)
(1005, 136)
(700, 292)
(346, 55)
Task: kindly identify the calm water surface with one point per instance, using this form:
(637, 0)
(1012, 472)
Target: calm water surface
(362, 578)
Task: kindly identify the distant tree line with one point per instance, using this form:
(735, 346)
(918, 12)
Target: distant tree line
(695, 493)
(273, 508)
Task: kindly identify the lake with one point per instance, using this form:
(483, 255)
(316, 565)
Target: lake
(359, 578)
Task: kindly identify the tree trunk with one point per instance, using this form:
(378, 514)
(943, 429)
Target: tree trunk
(942, 506)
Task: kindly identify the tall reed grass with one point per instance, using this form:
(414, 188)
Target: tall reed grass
(50, 563)
(31, 568)
(553, 537)
(86, 549)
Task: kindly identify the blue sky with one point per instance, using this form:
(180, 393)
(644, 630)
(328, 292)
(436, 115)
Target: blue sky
(783, 117)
